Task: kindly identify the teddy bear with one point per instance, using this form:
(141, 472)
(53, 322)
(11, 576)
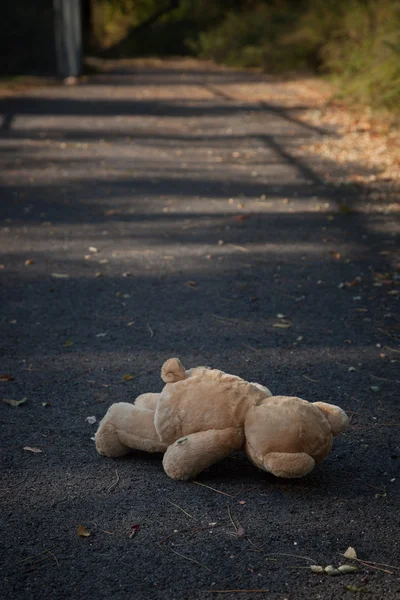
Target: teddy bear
(203, 414)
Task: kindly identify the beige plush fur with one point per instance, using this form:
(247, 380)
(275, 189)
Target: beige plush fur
(203, 414)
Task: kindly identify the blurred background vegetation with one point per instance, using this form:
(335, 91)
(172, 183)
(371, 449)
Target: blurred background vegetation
(354, 42)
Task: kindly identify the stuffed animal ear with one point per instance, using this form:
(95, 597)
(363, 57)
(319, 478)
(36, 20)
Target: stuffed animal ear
(173, 370)
(336, 417)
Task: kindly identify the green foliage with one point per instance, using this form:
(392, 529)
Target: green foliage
(357, 42)
(364, 54)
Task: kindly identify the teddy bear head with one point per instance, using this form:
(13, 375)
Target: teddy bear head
(288, 436)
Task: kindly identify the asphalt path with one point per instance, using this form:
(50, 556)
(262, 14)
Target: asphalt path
(146, 213)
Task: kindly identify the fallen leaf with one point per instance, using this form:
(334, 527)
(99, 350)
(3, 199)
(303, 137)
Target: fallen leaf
(60, 275)
(242, 501)
(15, 402)
(101, 334)
(353, 588)
(331, 571)
(127, 377)
(351, 369)
(29, 262)
(45, 404)
(282, 325)
(316, 569)
(134, 529)
(34, 450)
(93, 249)
(350, 552)
(240, 531)
(240, 218)
(82, 531)
(91, 420)
(99, 274)
(6, 377)
(347, 569)
(192, 284)
(68, 343)
(374, 388)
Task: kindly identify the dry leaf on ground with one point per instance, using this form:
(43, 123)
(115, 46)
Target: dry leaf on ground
(240, 532)
(34, 450)
(282, 325)
(134, 529)
(6, 377)
(82, 531)
(15, 402)
(350, 553)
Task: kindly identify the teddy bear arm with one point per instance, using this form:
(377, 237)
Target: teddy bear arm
(336, 417)
(191, 454)
(126, 427)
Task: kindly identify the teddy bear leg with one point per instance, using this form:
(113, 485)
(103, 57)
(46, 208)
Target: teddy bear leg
(287, 464)
(193, 453)
(126, 427)
(107, 442)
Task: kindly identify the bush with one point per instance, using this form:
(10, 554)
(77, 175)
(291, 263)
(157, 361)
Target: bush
(357, 42)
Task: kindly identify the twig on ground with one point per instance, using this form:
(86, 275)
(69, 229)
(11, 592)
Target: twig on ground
(150, 329)
(227, 319)
(383, 378)
(237, 591)
(214, 490)
(374, 565)
(392, 349)
(241, 248)
(291, 555)
(30, 557)
(231, 520)
(180, 508)
(257, 548)
(188, 558)
(309, 379)
(54, 556)
(115, 482)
